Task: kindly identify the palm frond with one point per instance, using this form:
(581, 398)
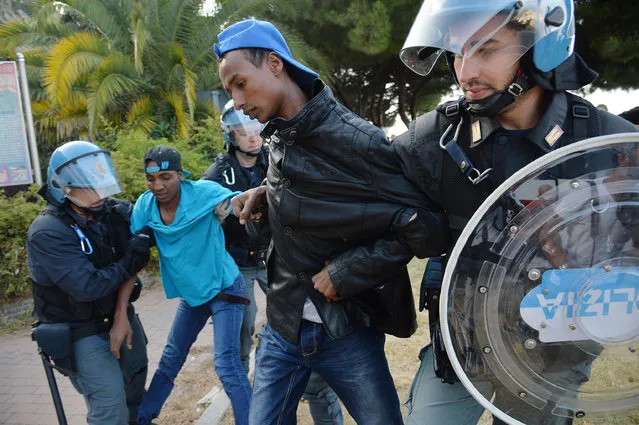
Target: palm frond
(140, 37)
(178, 19)
(140, 115)
(70, 59)
(23, 33)
(176, 100)
(103, 19)
(116, 76)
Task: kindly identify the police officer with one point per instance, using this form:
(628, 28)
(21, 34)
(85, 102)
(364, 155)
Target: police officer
(243, 167)
(513, 61)
(83, 264)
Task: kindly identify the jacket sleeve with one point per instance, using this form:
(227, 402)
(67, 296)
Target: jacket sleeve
(418, 228)
(371, 265)
(67, 267)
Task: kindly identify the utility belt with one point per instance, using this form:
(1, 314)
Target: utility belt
(248, 257)
(56, 340)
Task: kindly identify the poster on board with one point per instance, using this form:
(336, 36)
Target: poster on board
(15, 167)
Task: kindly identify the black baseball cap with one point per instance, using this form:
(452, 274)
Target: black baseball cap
(166, 158)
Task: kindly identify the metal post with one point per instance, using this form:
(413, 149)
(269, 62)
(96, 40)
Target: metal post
(26, 101)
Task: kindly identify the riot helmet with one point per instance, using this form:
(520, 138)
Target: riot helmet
(544, 37)
(235, 123)
(83, 173)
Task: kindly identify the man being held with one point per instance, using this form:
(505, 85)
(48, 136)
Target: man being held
(344, 223)
(243, 167)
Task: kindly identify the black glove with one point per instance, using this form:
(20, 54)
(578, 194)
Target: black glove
(142, 236)
(138, 253)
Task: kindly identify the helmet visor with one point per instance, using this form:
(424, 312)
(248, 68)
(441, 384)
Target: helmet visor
(238, 123)
(494, 36)
(88, 179)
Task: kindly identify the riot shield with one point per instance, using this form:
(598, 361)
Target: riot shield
(540, 301)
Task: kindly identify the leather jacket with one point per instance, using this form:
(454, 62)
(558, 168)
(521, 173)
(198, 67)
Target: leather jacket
(336, 195)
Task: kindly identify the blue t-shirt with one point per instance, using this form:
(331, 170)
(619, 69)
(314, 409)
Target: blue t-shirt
(193, 261)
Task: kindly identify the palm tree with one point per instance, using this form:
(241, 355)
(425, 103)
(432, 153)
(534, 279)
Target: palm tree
(128, 63)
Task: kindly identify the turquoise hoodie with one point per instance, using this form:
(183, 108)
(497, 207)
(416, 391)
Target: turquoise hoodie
(193, 260)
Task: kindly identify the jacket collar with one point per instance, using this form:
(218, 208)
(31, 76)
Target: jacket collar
(307, 118)
(545, 134)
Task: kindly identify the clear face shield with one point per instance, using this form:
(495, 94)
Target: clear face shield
(88, 180)
(238, 123)
(493, 36)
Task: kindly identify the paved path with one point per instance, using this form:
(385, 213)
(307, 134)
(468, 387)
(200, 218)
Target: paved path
(25, 398)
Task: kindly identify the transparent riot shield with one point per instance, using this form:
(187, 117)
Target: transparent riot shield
(540, 301)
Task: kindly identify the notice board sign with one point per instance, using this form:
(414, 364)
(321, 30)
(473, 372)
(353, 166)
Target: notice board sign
(15, 167)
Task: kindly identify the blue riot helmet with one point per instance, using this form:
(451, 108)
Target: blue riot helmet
(83, 173)
(235, 123)
(543, 38)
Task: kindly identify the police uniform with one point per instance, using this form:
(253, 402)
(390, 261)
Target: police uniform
(76, 271)
(447, 178)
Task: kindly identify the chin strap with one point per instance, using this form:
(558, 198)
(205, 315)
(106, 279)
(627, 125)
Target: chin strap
(254, 153)
(495, 103)
(92, 211)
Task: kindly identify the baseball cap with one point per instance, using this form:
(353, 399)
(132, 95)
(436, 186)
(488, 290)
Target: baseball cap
(252, 33)
(166, 159)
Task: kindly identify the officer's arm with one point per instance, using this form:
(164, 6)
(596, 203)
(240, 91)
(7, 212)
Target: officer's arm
(69, 268)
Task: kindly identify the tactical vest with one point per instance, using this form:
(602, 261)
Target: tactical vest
(247, 251)
(461, 198)
(54, 305)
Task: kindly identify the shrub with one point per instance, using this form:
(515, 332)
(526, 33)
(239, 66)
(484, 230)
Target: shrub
(16, 214)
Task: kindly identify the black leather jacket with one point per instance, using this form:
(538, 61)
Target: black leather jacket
(247, 250)
(336, 194)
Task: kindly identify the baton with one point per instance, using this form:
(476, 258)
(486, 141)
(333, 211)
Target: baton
(53, 386)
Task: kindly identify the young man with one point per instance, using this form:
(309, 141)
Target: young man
(514, 62)
(243, 167)
(184, 216)
(344, 222)
(83, 267)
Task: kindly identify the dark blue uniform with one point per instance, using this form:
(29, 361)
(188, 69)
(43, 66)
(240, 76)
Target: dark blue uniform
(77, 284)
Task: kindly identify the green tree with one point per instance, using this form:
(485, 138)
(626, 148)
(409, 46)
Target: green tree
(355, 46)
(608, 39)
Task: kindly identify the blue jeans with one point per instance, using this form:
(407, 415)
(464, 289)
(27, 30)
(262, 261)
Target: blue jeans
(322, 402)
(187, 324)
(250, 311)
(355, 367)
(112, 389)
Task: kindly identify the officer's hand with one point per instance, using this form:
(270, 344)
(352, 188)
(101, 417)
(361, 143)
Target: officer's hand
(138, 251)
(245, 203)
(323, 284)
(120, 331)
(144, 237)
